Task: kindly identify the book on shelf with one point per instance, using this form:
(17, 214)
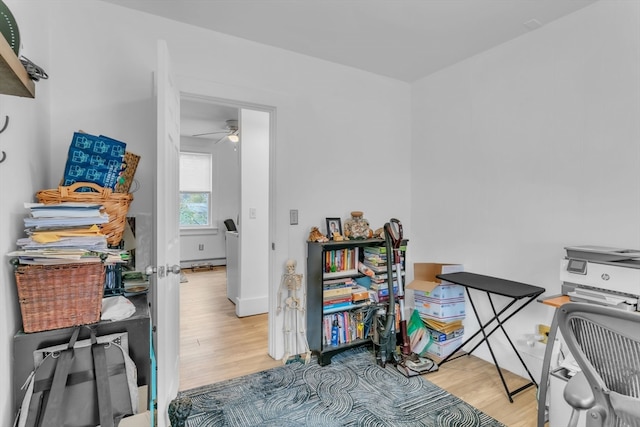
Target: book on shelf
(381, 295)
(343, 325)
(340, 305)
(376, 268)
(384, 286)
(380, 250)
(375, 258)
(338, 274)
(350, 326)
(336, 300)
(375, 249)
(337, 282)
(384, 276)
(338, 260)
(337, 292)
(375, 265)
(378, 259)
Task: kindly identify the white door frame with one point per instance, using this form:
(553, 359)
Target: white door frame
(254, 99)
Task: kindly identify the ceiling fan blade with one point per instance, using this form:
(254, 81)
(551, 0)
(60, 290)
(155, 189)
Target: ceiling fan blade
(220, 140)
(209, 133)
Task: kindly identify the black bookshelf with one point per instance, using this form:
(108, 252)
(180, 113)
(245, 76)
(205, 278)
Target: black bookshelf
(316, 276)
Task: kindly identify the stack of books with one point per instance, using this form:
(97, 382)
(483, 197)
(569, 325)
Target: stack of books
(336, 294)
(375, 257)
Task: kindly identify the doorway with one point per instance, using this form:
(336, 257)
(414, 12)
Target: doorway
(205, 128)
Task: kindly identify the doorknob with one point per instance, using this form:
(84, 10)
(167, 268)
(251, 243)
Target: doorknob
(152, 270)
(175, 269)
(162, 271)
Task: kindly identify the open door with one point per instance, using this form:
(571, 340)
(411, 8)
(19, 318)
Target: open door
(165, 305)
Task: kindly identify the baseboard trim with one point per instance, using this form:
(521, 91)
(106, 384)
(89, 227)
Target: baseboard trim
(251, 306)
(185, 264)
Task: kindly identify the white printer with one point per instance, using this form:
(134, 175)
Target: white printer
(602, 275)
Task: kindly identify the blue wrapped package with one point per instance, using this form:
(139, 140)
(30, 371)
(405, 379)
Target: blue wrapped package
(96, 159)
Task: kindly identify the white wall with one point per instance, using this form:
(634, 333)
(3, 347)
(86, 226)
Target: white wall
(26, 143)
(528, 148)
(253, 227)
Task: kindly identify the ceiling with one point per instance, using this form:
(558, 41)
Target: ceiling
(401, 39)
(198, 117)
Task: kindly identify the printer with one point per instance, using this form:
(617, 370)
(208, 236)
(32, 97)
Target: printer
(602, 275)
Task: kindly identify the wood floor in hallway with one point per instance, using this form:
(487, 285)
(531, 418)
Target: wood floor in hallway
(216, 345)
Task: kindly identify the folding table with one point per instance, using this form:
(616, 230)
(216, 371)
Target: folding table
(520, 293)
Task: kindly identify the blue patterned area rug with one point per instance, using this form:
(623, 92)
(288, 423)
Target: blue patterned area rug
(352, 391)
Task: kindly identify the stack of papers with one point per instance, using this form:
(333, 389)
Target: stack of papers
(65, 233)
(135, 282)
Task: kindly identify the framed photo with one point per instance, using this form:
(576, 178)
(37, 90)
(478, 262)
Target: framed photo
(334, 225)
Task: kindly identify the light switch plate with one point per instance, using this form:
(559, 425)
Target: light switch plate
(293, 217)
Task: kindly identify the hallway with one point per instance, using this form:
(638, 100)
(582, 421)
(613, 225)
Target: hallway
(215, 344)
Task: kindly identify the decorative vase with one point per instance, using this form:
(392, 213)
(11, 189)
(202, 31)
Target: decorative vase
(357, 227)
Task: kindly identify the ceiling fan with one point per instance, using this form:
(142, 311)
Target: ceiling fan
(232, 132)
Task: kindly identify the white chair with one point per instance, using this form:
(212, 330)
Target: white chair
(605, 343)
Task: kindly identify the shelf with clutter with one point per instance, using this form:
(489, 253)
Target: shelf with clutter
(348, 285)
(14, 79)
(73, 252)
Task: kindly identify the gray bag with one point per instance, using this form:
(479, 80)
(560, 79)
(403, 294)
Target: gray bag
(83, 383)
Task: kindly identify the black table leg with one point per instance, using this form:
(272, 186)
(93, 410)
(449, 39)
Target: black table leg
(485, 339)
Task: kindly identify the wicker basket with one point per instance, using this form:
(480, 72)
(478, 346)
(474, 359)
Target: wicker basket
(59, 296)
(115, 204)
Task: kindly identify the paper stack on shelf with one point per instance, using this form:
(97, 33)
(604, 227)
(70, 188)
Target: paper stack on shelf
(65, 233)
(135, 282)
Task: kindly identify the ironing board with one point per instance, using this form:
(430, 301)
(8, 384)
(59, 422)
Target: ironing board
(520, 294)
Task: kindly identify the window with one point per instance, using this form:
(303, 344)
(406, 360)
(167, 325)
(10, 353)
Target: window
(196, 184)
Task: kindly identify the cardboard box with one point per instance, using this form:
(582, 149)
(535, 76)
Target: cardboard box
(445, 327)
(441, 336)
(426, 284)
(143, 417)
(448, 310)
(443, 349)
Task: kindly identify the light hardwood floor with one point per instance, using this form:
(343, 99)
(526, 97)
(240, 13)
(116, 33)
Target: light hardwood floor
(216, 345)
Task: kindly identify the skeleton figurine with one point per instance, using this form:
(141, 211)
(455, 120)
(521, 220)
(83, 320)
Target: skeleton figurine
(295, 339)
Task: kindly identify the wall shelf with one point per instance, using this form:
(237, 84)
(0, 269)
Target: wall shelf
(14, 79)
